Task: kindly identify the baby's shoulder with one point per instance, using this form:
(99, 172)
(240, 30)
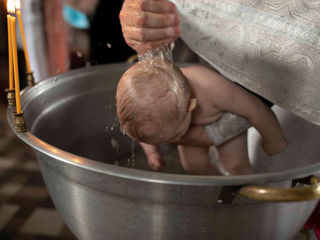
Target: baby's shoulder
(203, 74)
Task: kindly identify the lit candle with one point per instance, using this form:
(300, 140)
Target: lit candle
(15, 58)
(26, 56)
(10, 47)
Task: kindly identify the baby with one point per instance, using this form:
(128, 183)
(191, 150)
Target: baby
(157, 102)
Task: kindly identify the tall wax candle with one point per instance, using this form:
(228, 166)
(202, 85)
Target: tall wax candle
(15, 62)
(25, 49)
(10, 53)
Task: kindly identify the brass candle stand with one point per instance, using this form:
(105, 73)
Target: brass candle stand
(11, 97)
(30, 79)
(20, 123)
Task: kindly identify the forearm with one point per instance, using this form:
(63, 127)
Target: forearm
(266, 122)
(260, 116)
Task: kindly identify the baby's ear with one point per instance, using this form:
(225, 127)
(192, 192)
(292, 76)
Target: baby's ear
(192, 104)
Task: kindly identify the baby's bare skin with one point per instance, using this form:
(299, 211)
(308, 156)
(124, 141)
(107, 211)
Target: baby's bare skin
(214, 95)
(191, 99)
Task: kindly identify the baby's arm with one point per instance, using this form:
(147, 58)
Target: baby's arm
(155, 160)
(227, 96)
(196, 136)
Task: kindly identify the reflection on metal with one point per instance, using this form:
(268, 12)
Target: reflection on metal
(301, 181)
(11, 97)
(99, 200)
(20, 123)
(132, 59)
(30, 79)
(284, 195)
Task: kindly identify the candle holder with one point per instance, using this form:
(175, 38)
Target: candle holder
(20, 123)
(30, 79)
(11, 97)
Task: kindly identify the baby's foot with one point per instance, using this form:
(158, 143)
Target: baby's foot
(274, 147)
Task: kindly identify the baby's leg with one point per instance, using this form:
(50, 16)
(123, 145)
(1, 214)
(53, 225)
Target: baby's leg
(233, 155)
(195, 160)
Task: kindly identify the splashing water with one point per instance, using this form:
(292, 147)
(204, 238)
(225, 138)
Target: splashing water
(79, 54)
(163, 52)
(113, 126)
(131, 160)
(122, 130)
(115, 145)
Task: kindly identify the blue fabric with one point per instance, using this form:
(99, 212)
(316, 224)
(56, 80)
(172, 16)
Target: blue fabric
(75, 18)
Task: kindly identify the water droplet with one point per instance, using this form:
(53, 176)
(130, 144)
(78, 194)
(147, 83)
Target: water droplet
(115, 145)
(113, 126)
(79, 54)
(122, 130)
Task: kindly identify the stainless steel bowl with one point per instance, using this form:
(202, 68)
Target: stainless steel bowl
(67, 117)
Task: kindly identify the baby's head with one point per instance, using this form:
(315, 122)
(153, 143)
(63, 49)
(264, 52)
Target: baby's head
(154, 102)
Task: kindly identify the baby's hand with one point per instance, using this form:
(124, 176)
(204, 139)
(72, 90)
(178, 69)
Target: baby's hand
(275, 146)
(155, 160)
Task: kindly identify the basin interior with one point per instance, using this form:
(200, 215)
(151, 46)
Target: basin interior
(88, 127)
(76, 112)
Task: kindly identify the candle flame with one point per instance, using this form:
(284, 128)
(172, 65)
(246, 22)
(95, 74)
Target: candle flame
(10, 6)
(17, 3)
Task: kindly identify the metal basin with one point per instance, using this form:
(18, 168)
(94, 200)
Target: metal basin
(69, 118)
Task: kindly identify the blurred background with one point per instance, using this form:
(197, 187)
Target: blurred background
(60, 35)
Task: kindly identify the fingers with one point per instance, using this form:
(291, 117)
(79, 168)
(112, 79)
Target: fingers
(155, 162)
(156, 6)
(147, 24)
(159, 6)
(151, 34)
(154, 157)
(149, 19)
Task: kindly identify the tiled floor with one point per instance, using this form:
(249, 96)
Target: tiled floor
(26, 211)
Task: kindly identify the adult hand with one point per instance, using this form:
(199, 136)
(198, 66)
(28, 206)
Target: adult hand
(147, 24)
